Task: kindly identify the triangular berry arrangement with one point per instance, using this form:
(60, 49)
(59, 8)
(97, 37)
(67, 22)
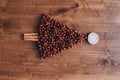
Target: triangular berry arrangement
(55, 37)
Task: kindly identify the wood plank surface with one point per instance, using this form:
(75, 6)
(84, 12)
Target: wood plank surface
(19, 59)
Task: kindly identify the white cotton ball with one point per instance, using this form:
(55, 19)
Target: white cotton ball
(93, 38)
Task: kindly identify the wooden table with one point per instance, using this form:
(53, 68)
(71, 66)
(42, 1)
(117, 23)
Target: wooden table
(19, 59)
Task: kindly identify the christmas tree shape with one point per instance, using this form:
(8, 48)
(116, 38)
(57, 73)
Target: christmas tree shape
(55, 37)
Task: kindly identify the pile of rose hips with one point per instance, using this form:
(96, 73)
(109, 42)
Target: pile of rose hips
(55, 37)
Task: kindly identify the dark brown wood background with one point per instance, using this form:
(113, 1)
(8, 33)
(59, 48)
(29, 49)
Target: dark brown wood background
(19, 59)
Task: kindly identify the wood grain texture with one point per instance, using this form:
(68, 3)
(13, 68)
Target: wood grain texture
(19, 59)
